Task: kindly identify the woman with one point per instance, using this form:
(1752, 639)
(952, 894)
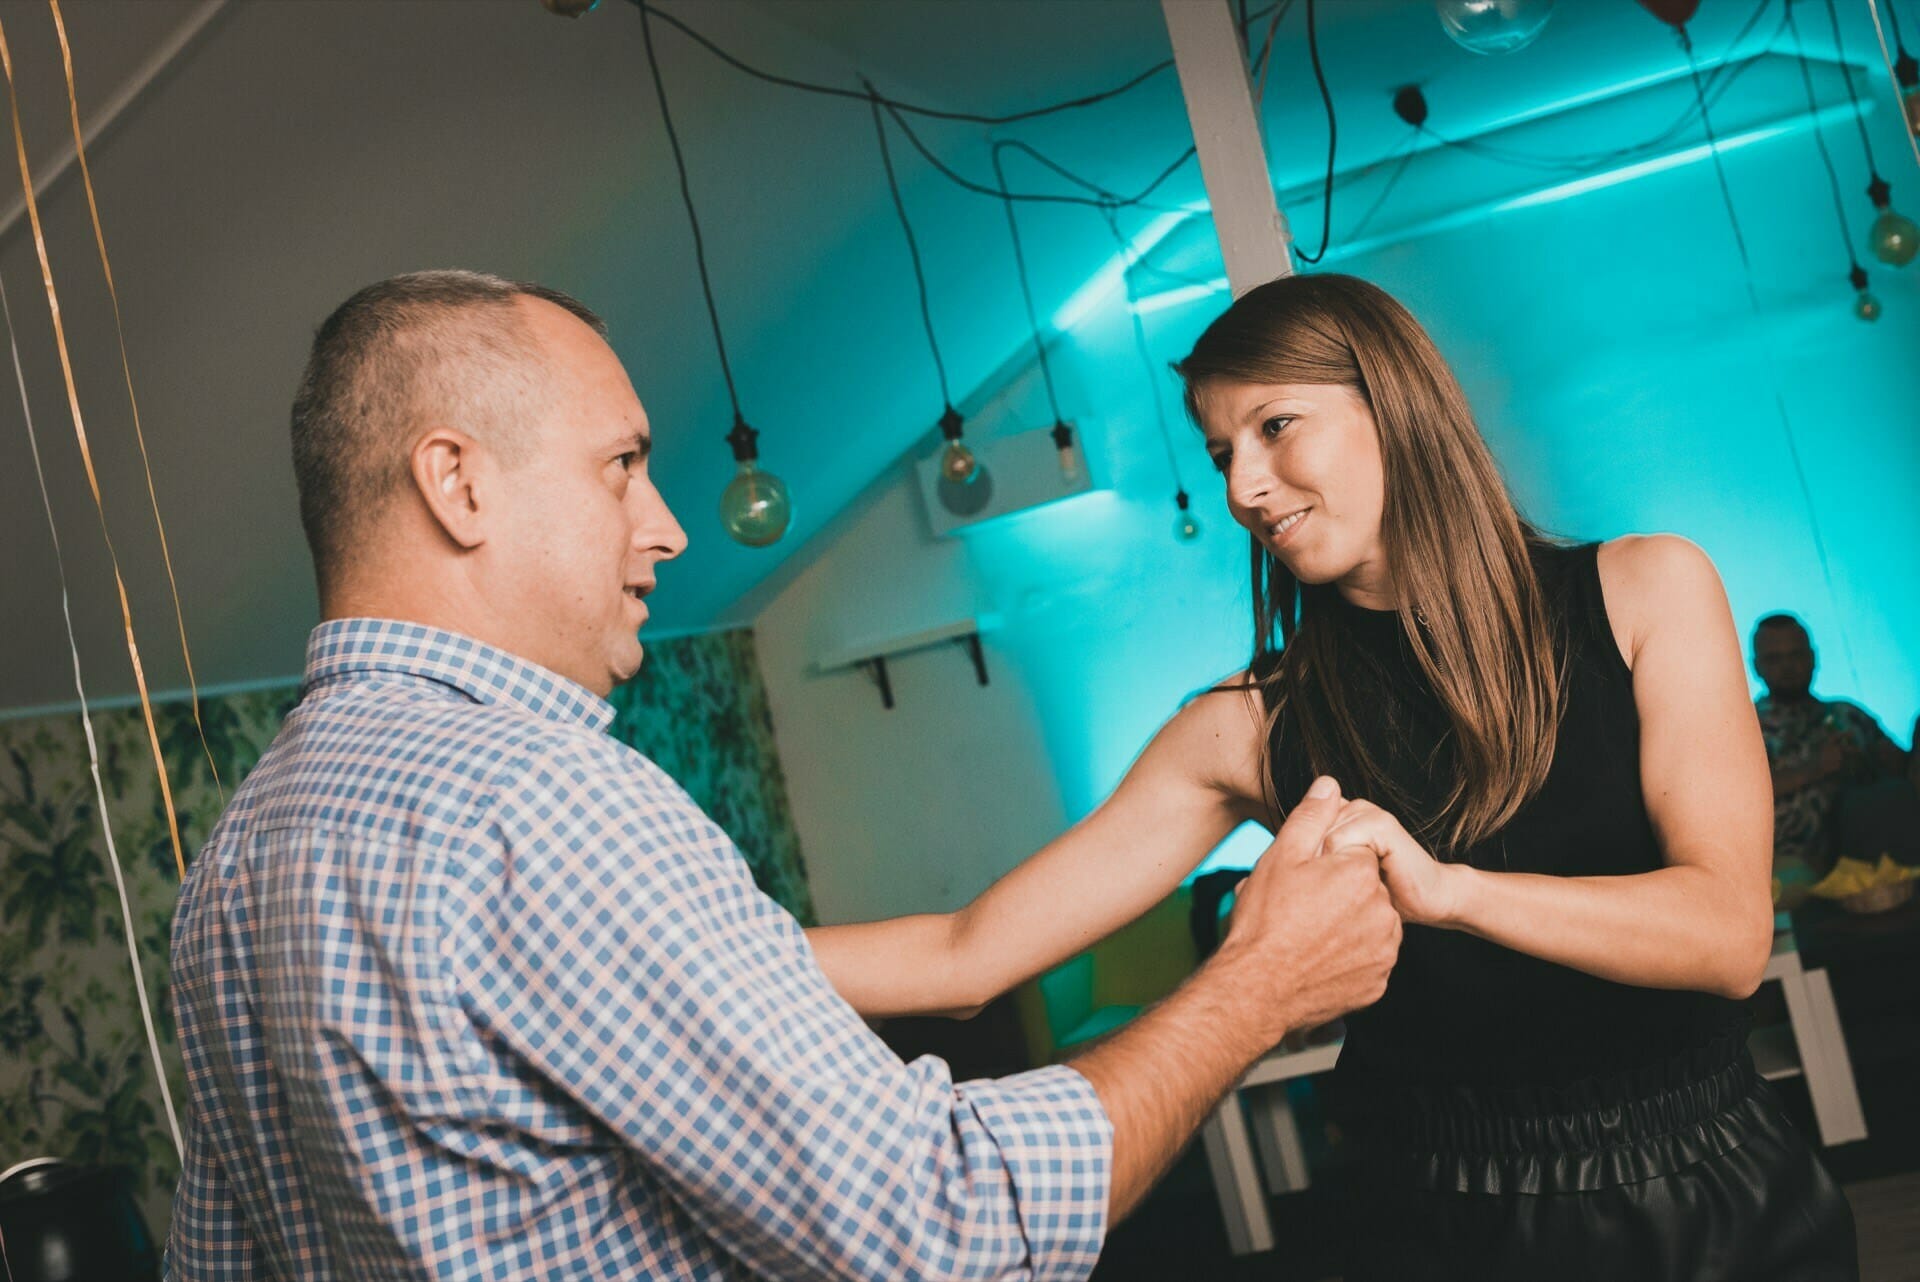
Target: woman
(1561, 774)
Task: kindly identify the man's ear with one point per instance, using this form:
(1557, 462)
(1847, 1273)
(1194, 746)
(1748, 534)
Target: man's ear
(448, 469)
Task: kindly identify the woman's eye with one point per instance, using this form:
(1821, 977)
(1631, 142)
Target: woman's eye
(1219, 458)
(1275, 425)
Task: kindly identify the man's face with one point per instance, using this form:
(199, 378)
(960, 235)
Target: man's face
(580, 528)
(1783, 656)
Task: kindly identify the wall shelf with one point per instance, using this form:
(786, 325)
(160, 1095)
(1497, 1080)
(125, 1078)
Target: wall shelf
(872, 656)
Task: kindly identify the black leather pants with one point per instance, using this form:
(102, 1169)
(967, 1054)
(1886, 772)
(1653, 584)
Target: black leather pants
(1703, 1181)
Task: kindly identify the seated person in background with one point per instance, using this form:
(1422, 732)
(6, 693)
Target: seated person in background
(1817, 749)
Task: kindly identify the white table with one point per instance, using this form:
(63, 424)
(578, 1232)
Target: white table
(1256, 1117)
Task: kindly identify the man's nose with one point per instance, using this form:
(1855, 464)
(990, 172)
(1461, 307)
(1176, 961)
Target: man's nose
(658, 531)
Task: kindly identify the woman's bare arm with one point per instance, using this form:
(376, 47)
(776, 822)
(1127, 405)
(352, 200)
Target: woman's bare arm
(1194, 784)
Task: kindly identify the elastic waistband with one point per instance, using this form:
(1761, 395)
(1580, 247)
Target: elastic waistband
(1463, 1140)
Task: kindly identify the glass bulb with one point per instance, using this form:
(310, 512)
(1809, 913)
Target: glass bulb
(1895, 238)
(1866, 307)
(958, 464)
(1910, 103)
(1072, 471)
(1493, 26)
(755, 507)
(1186, 527)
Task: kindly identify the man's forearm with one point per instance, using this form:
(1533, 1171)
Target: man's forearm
(1161, 1075)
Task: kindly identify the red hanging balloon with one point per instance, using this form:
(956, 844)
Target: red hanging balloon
(1675, 13)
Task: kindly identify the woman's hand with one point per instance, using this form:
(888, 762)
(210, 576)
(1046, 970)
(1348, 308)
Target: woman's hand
(1425, 891)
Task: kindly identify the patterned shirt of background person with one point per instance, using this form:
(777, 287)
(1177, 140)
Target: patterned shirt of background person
(1817, 749)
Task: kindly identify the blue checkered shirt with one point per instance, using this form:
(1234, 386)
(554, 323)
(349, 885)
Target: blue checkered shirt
(468, 989)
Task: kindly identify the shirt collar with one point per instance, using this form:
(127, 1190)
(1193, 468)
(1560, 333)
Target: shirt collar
(341, 649)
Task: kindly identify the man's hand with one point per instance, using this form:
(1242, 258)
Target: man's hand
(1318, 934)
(1425, 891)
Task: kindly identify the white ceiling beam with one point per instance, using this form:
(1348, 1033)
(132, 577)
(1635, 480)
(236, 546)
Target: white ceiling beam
(1211, 60)
(176, 42)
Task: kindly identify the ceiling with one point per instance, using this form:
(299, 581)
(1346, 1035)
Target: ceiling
(295, 151)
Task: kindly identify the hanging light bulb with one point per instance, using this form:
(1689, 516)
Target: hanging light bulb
(1894, 238)
(1493, 26)
(1865, 306)
(1186, 526)
(1907, 72)
(755, 506)
(957, 463)
(1072, 468)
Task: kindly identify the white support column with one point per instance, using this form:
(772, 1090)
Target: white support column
(1226, 128)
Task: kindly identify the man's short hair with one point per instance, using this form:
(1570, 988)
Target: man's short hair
(434, 347)
(1782, 621)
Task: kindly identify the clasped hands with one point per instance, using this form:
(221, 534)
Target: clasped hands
(1423, 890)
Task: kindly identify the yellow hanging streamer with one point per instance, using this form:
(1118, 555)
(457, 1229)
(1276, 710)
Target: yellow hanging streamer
(126, 368)
(86, 454)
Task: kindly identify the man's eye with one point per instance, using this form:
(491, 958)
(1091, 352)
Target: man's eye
(628, 459)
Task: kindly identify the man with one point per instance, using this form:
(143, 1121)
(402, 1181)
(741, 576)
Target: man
(466, 989)
(1816, 747)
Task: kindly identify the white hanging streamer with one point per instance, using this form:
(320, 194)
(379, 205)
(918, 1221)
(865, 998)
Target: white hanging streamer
(93, 748)
(1899, 107)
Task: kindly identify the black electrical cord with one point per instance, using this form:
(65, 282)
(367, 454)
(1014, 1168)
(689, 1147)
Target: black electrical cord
(1261, 63)
(1400, 168)
(693, 219)
(1026, 292)
(1719, 80)
(1753, 301)
(1819, 138)
(1002, 193)
(1333, 140)
(913, 250)
(1108, 214)
(932, 113)
(1840, 55)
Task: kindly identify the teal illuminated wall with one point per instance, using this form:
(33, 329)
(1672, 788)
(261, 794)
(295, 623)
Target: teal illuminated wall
(1625, 382)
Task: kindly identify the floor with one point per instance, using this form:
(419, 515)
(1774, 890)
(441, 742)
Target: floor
(1176, 1236)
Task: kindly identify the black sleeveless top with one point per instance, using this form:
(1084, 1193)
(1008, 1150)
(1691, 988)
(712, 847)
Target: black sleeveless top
(1460, 1011)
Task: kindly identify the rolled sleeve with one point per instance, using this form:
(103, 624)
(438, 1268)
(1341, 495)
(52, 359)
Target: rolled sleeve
(1057, 1142)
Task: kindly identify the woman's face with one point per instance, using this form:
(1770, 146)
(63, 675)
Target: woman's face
(1303, 472)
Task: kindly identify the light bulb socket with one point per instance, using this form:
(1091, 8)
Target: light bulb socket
(1062, 435)
(1410, 105)
(950, 423)
(1857, 277)
(1181, 500)
(1880, 192)
(744, 440)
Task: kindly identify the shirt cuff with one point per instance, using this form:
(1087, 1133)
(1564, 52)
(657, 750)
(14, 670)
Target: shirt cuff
(1057, 1142)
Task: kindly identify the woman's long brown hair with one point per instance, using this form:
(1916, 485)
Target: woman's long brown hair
(1468, 596)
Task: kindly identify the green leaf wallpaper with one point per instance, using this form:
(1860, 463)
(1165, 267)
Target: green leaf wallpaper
(75, 1080)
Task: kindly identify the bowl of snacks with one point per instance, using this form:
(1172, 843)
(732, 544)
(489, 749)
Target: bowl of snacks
(1860, 887)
